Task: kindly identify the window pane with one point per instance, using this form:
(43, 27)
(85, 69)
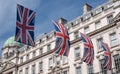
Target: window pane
(48, 47)
(103, 70)
(26, 71)
(34, 53)
(113, 39)
(50, 62)
(99, 42)
(27, 57)
(90, 69)
(77, 52)
(40, 50)
(20, 72)
(33, 69)
(97, 25)
(78, 70)
(65, 72)
(40, 65)
(86, 30)
(76, 34)
(64, 59)
(57, 60)
(117, 62)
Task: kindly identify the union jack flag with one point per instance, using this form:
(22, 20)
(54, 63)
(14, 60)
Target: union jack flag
(88, 55)
(108, 62)
(25, 25)
(62, 39)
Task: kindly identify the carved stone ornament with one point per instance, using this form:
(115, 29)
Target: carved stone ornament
(7, 65)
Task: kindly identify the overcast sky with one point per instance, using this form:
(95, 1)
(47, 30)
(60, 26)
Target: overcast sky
(46, 10)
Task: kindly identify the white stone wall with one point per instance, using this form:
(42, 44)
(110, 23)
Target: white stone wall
(72, 64)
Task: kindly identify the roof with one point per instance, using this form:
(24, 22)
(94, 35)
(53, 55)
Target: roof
(11, 42)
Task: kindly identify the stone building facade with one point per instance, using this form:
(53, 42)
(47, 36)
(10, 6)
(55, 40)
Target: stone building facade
(101, 23)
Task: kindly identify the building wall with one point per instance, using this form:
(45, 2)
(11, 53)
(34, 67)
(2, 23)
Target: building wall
(42, 41)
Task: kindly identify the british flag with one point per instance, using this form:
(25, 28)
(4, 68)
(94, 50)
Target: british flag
(88, 55)
(108, 62)
(62, 39)
(25, 25)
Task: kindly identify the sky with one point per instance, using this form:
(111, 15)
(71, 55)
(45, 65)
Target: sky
(46, 10)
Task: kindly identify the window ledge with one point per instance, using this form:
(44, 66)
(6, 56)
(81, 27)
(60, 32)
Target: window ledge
(100, 50)
(114, 46)
(65, 63)
(79, 58)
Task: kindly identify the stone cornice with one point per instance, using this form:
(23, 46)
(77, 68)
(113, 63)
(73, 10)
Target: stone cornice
(10, 47)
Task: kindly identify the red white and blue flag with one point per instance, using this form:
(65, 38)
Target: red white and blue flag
(88, 55)
(108, 62)
(25, 25)
(62, 46)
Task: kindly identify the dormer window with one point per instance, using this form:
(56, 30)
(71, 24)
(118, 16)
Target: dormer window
(87, 16)
(97, 11)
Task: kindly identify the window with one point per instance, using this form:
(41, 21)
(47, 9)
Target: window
(113, 39)
(72, 24)
(10, 73)
(90, 69)
(33, 69)
(50, 62)
(76, 35)
(21, 59)
(40, 51)
(27, 57)
(58, 73)
(40, 65)
(86, 30)
(117, 62)
(97, 25)
(77, 53)
(65, 72)
(87, 16)
(75, 22)
(78, 70)
(104, 71)
(109, 5)
(110, 19)
(97, 11)
(26, 70)
(41, 40)
(48, 47)
(65, 59)
(34, 53)
(99, 42)
(6, 55)
(47, 37)
(20, 72)
(57, 60)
